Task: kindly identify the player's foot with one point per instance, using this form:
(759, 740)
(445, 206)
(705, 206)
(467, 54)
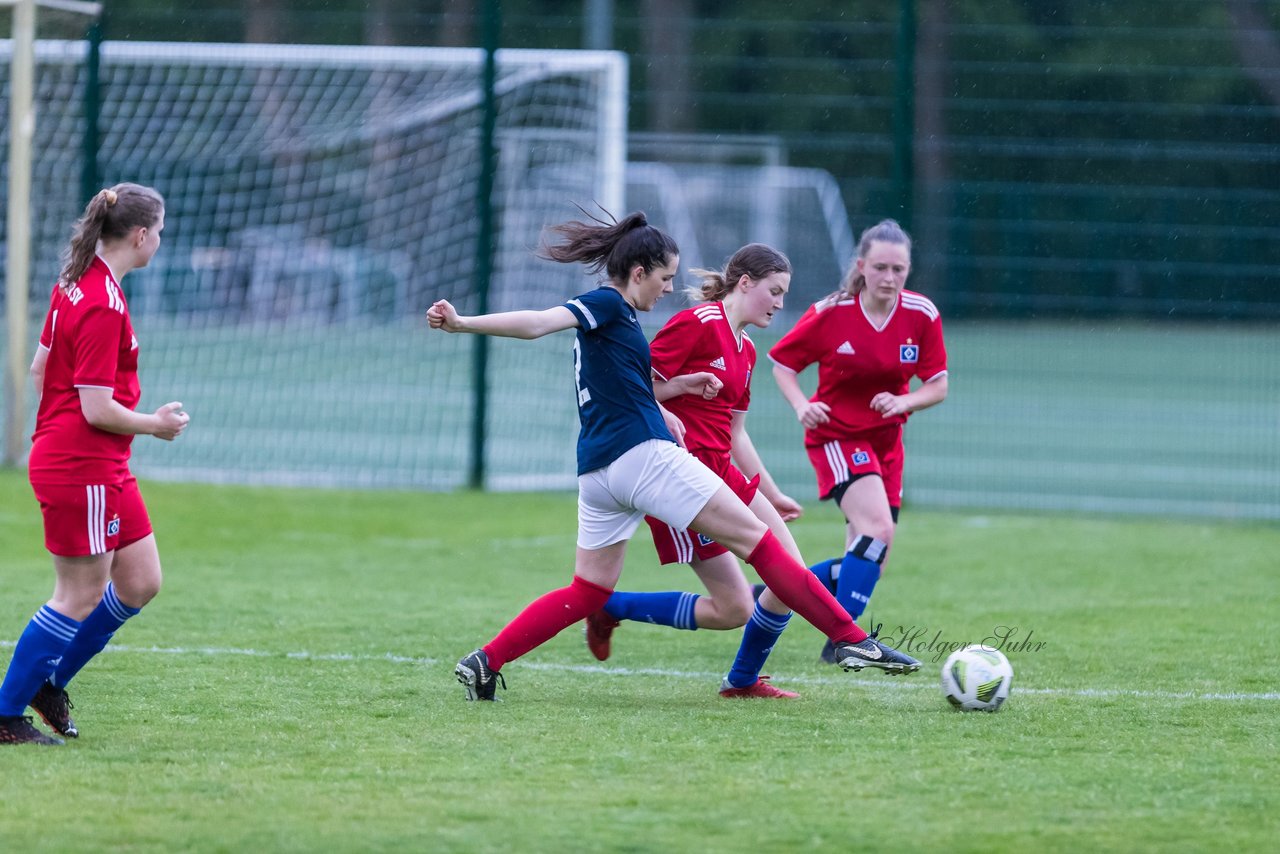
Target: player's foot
(756, 590)
(599, 630)
(474, 674)
(19, 730)
(759, 688)
(869, 652)
(828, 654)
(54, 707)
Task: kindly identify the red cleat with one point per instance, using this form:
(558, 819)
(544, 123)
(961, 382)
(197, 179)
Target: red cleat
(599, 630)
(759, 688)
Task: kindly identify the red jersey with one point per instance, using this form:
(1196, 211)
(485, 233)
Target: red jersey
(701, 339)
(91, 344)
(857, 359)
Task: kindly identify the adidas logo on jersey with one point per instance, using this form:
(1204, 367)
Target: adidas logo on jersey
(845, 349)
(718, 363)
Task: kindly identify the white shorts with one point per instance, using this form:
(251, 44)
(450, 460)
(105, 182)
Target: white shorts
(655, 478)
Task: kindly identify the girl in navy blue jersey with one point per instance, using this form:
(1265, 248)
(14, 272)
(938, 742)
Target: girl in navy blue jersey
(629, 462)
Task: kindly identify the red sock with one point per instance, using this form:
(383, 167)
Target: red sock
(801, 590)
(544, 618)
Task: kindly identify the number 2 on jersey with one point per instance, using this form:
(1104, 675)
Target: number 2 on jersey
(584, 395)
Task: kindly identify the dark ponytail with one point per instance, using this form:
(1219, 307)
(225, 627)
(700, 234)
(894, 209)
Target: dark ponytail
(612, 246)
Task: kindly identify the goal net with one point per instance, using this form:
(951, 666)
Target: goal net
(318, 199)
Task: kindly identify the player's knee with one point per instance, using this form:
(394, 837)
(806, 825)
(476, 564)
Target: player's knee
(728, 612)
(870, 548)
(739, 610)
(137, 592)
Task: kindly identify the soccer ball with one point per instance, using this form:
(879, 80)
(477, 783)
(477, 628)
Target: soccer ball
(976, 678)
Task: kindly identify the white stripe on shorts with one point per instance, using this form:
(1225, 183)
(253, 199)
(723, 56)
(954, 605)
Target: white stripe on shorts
(839, 468)
(96, 501)
(683, 543)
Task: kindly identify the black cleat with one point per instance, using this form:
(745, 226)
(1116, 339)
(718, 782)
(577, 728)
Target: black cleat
(54, 708)
(474, 674)
(828, 654)
(19, 730)
(869, 652)
(756, 590)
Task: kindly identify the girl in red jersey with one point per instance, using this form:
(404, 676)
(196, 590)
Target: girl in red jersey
(869, 339)
(708, 349)
(96, 525)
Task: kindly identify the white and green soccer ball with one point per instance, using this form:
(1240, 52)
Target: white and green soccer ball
(976, 678)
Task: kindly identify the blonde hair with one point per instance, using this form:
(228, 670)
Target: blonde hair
(110, 215)
(755, 261)
(885, 231)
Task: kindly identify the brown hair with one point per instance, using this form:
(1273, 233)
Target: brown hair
(612, 246)
(110, 215)
(885, 231)
(755, 261)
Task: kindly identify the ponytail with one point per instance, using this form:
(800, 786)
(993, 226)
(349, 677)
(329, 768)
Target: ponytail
(110, 215)
(612, 246)
(755, 261)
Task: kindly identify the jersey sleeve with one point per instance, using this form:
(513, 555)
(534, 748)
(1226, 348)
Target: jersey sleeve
(50, 321)
(671, 347)
(596, 308)
(97, 347)
(796, 350)
(933, 355)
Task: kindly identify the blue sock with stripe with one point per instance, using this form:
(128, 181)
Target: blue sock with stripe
(95, 632)
(34, 658)
(758, 638)
(823, 570)
(858, 577)
(663, 609)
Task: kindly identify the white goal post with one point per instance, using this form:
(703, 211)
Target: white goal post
(317, 195)
(18, 238)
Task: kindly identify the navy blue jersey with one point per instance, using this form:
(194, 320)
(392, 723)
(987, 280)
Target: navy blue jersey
(612, 375)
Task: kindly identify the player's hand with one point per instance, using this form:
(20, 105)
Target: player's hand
(813, 413)
(788, 508)
(890, 405)
(171, 421)
(704, 384)
(674, 424)
(442, 315)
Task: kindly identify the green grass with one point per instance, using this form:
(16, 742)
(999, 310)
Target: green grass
(291, 690)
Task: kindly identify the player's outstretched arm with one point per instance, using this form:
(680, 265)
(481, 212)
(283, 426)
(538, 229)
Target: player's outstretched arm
(506, 324)
(703, 383)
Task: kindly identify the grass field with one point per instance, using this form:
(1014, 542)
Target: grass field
(292, 690)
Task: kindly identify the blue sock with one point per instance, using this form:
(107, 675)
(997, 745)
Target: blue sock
(663, 609)
(34, 658)
(95, 632)
(823, 571)
(758, 638)
(858, 577)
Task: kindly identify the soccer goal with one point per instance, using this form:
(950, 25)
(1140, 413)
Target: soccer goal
(318, 198)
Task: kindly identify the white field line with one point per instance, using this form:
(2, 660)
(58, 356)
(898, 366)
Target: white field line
(887, 682)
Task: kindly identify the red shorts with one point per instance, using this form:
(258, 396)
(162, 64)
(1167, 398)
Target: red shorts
(875, 452)
(91, 520)
(682, 546)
